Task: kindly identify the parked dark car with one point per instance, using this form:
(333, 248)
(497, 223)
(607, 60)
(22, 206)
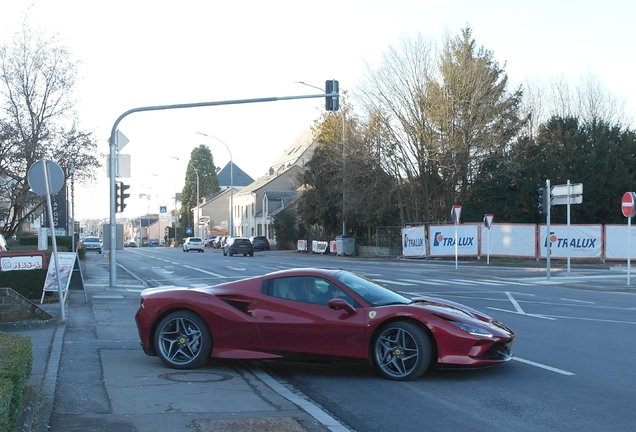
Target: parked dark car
(260, 243)
(219, 241)
(238, 245)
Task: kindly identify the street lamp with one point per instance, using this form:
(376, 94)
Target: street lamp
(231, 231)
(196, 171)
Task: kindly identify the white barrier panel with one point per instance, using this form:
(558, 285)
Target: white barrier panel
(514, 240)
(616, 242)
(302, 245)
(441, 240)
(584, 241)
(413, 241)
(319, 246)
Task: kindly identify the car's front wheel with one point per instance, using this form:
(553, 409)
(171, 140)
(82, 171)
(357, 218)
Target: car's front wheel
(183, 340)
(402, 351)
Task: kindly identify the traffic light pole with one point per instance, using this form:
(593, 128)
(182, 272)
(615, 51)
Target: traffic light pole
(332, 102)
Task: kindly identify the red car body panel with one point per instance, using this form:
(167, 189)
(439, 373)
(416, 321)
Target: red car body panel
(247, 323)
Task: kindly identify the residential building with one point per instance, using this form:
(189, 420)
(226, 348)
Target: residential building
(215, 208)
(257, 204)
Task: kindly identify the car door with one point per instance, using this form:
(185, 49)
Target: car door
(295, 321)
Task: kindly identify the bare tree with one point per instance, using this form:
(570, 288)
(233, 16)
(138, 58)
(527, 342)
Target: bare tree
(394, 97)
(37, 77)
(588, 100)
(441, 115)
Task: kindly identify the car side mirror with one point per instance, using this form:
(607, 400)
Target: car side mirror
(338, 304)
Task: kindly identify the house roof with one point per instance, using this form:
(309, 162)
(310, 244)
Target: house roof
(294, 151)
(240, 177)
(263, 181)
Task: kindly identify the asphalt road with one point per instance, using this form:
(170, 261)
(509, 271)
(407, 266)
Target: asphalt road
(574, 352)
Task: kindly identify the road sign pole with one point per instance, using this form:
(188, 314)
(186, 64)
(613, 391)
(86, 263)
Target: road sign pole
(568, 228)
(628, 207)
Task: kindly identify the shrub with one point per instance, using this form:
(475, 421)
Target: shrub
(27, 283)
(16, 362)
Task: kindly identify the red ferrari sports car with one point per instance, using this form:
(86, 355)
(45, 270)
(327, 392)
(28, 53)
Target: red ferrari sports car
(317, 314)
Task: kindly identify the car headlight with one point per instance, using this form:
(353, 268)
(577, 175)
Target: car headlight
(477, 331)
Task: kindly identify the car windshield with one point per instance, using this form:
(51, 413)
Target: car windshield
(373, 292)
(91, 239)
(195, 239)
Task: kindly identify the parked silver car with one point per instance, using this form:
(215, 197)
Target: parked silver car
(92, 244)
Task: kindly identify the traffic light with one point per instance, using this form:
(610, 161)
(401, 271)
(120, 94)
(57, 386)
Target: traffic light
(332, 103)
(543, 199)
(121, 196)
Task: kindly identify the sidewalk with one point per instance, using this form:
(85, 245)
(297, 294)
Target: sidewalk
(90, 374)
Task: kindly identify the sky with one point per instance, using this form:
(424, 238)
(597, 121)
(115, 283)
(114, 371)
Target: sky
(139, 53)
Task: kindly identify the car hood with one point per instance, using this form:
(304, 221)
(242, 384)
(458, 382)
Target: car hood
(453, 311)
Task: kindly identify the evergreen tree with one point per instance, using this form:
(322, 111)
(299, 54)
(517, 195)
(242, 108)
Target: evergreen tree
(201, 166)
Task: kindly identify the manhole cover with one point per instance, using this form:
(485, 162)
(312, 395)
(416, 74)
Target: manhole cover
(196, 377)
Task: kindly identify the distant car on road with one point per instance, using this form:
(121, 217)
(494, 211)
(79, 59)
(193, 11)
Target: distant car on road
(131, 244)
(260, 243)
(193, 243)
(238, 245)
(92, 244)
(210, 242)
(219, 241)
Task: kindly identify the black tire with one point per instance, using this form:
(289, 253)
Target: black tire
(252, 254)
(231, 253)
(401, 351)
(183, 340)
(224, 254)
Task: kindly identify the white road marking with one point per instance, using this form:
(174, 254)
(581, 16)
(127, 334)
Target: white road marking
(578, 301)
(432, 282)
(542, 366)
(206, 272)
(514, 303)
(480, 282)
(522, 313)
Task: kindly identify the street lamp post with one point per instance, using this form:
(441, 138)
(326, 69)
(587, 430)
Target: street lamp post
(196, 171)
(231, 229)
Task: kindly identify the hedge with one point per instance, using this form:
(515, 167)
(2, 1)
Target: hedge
(16, 362)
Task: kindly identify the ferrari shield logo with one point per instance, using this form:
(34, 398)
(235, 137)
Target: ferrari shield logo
(372, 314)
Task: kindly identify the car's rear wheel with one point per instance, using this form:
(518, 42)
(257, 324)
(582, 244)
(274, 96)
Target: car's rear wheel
(183, 340)
(402, 351)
